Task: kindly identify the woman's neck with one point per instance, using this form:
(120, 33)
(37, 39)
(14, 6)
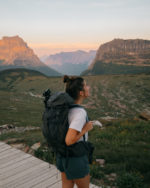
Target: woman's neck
(79, 101)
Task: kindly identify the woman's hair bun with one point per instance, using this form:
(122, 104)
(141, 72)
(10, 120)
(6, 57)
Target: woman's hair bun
(66, 78)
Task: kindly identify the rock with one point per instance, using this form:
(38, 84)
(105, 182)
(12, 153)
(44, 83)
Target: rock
(101, 162)
(20, 129)
(111, 177)
(26, 149)
(145, 116)
(13, 140)
(7, 126)
(31, 151)
(136, 118)
(12, 128)
(35, 146)
(108, 118)
(18, 146)
(32, 128)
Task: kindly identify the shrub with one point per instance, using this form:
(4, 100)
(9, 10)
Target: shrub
(96, 172)
(45, 154)
(129, 180)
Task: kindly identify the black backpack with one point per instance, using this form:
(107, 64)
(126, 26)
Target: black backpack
(55, 124)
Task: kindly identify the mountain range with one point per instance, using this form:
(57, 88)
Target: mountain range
(121, 56)
(15, 53)
(115, 57)
(72, 63)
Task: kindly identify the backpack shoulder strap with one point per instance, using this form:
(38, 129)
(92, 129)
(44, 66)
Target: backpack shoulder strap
(87, 119)
(75, 105)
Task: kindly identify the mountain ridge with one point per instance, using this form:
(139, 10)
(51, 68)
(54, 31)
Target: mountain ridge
(123, 54)
(70, 62)
(14, 52)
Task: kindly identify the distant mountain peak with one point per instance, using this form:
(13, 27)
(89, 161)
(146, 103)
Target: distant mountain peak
(14, 48)
(73, 57)
(73, 62)
(120, 52)
(15, 52)
(12, 38)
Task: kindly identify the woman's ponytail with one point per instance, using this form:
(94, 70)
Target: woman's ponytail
(74, 85)
(66, 79)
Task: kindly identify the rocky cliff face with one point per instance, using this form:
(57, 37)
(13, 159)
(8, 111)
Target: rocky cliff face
(122, 52)
(15, 52)
(119, 51)
(14, 48)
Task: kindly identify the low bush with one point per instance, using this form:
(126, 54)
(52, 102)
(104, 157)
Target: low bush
(130, 180)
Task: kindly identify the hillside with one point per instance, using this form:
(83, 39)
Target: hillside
(121, 57)
(15, 53)
(19, 72)
(112, 96)
(72, 63)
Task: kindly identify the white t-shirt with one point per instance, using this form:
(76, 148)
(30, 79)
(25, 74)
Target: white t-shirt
(77, 118)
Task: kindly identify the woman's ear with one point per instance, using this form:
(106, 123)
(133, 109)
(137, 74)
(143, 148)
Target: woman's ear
(81, 93)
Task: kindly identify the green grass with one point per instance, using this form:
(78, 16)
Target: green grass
(20, 109)
(112, 68)
(111, 95)
(125, 148)
(28, 137)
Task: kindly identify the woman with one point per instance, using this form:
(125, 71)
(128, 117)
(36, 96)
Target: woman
(77, 170)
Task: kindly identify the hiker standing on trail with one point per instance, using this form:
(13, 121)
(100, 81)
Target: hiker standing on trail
(77, 169)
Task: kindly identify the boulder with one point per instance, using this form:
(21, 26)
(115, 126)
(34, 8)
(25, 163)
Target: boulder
(101, 162)
(145, 116)
(35, 146)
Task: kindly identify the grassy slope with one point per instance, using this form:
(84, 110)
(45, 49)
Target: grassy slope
(119, 95)
(112, 68)
(17, 106)
(111, 95)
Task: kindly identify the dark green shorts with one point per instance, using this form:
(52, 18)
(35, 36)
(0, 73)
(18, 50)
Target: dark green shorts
(74, 168)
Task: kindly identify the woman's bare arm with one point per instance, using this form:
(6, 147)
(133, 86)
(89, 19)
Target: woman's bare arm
(73, 135)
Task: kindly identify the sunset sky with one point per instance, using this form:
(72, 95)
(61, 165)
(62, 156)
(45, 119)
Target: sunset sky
(50, 26)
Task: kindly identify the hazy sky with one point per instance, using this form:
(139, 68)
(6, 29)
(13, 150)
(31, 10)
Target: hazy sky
(50, 26)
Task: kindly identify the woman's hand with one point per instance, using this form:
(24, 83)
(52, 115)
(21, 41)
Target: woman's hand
(87, 127)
